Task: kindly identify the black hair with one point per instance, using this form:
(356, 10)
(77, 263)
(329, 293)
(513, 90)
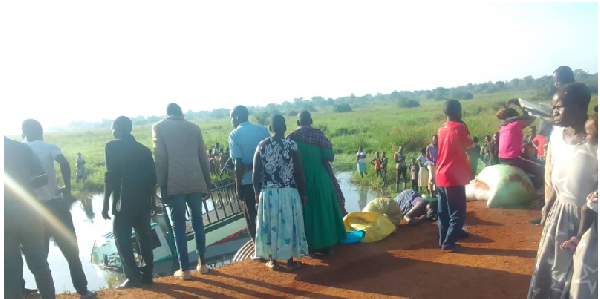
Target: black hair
(423, 150)
(174, 109)
(241, 112)
(277, 123)
(577, 93)
(305, 118)
(564, 75)
(475, 139)
(452, 108)
(32, 129)
(123, 124)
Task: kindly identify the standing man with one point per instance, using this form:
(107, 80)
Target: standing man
(183, 175)
(62, 231)
(400, 160)
(453, 173)
(23, 228)
(131, 178)
(432, 157)
(243, 141)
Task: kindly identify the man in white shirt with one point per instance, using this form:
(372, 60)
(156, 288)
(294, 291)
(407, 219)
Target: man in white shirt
(62, 230)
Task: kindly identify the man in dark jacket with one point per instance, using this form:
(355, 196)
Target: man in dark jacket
(131, 178)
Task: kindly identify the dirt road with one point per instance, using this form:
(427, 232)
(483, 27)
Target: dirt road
(496, 262)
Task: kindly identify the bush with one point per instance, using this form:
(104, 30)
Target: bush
(262, 118)
(343, 108)
(292, 113)
(406, 103)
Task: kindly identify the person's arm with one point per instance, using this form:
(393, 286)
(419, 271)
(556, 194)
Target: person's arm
(238, 166)
(65, 170)
(203, 160)
(299, 175)
(161, 161)
(112, 177)
(466, 140)
(257, 172)
(151, 172)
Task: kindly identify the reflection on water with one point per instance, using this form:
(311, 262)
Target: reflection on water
(357, 197)
(90, 226)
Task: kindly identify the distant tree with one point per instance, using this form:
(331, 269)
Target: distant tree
(318, 101)
(407, 103)
(262, 117)
(343, 108)
(292, 113)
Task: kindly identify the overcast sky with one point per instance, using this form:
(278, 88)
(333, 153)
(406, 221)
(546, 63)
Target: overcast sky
(63, 61)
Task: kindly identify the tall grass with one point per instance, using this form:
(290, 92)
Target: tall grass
(381, 126)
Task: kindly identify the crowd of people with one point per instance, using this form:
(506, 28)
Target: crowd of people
(293, 204)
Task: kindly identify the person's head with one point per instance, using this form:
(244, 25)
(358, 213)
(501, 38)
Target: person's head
(562, 76)
(79, 155)
(383, 155)
(121, 127)
(487, 138)
(174, 110)
(591, 129)
(304, 119)
(453, 110)
(496, 137)
(434, 140)
(217, 146)
(400, 149)
(506, 113)
(532, 130)
(377, 154)
(277, 126)
(360, 148)
(475, 139)
(413, 160)
(570, 105)
(423, 151)
(32, 130)
(239, 114)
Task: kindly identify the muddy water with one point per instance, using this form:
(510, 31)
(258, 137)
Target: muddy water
(90, 226)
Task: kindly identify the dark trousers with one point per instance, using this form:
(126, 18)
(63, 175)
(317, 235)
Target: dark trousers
(138, 220)
(401, 171)
(24, 231)
(415, 185)
(452, 207)
(249, 209)
(63, 233)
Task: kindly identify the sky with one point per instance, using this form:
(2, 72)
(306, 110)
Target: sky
(64, 61)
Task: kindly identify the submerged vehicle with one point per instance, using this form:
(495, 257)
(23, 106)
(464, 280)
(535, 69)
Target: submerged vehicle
(224, 225)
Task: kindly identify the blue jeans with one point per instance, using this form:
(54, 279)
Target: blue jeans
(178, 216)
(452, 207)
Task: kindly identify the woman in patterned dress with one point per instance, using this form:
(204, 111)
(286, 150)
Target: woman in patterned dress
(279, 186)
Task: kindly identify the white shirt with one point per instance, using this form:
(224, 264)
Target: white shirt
(46, 153)
(362, 157)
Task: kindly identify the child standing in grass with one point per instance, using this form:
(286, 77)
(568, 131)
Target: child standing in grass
(414, 174)
(384, 163)
(423, 171)
(377, 162)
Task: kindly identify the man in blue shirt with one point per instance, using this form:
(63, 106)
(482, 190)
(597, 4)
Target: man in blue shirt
(243, 141)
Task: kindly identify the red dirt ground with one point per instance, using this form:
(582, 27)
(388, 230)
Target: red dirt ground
(496, 262)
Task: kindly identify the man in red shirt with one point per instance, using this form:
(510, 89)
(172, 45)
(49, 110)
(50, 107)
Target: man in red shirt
(453, 172)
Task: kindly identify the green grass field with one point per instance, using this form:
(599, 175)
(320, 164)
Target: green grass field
(379, 127)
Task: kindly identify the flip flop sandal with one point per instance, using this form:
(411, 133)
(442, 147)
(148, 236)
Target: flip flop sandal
(272, 265)
(570, 244)
(297, 265)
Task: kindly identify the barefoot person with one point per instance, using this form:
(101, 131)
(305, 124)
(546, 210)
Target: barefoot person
(323, 220)
(377, 162)
(453, 173)
(63, 234)
(574, 176)
(183, 175)
(432, 158)
(131, 179)
(278, 181)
